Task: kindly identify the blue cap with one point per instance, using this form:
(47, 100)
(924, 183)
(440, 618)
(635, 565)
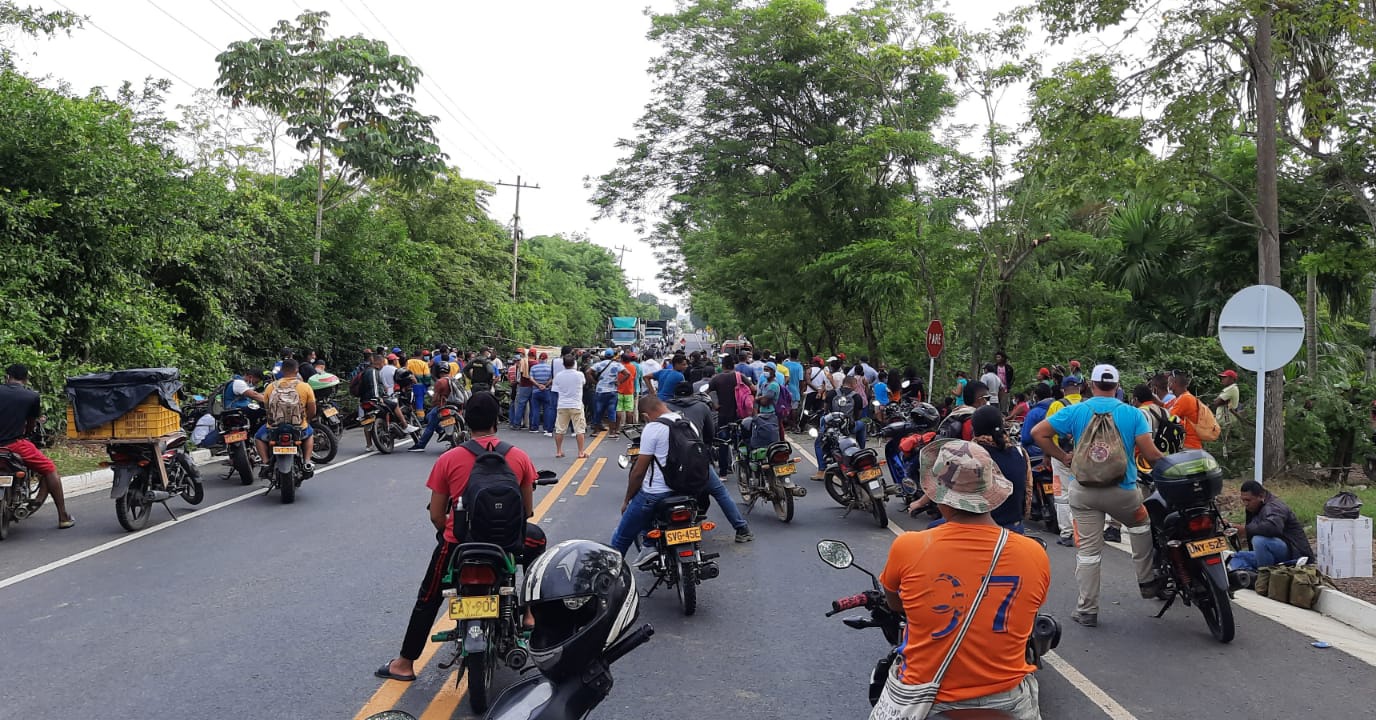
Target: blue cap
(396, 350)
(1072, 380)
(608, 353)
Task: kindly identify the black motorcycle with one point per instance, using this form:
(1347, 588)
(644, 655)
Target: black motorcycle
(852, 475)
(288, 466)
(1046, 630)
(453, 429)
(1190, 537)
(1043, 491)
(906, 420)
(380, 426)
(326, 444)
(237, 426)
(151, 472)
(18, 487)
(485, 604)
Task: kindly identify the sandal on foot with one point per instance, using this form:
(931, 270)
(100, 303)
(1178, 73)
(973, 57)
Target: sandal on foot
(582, 456)
(385, 672)
(69, 522)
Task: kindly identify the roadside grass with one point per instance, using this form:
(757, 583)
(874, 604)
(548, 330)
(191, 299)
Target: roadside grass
(1304, 498)
(75, 459)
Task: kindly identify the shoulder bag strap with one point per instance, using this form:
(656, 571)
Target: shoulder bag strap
(964, 626)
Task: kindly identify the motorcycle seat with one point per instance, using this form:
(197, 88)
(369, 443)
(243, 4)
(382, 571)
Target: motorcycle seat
(479, 552)
(12, 460)
(669, 500)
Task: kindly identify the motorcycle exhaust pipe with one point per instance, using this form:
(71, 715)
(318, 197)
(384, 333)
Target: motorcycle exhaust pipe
(517, 658)
(708, 570)
(797, 490)
(21, 512)
(159, 495)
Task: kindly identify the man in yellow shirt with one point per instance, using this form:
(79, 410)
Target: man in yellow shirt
(303, 408)
(421, 370)
(1060, 472)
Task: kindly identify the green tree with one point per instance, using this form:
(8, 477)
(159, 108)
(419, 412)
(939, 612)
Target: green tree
(345, 97)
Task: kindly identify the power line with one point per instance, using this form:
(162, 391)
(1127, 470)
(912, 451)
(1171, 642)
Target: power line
(129, 47)
(189, 29)
(240, 23)
(500, 155)
(235, 10)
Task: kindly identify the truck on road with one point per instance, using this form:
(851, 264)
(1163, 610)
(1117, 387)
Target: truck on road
(624, 331)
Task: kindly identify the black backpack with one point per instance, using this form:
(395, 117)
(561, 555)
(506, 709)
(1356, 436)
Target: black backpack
(688, 464)
(1169, 435)
(492, 506)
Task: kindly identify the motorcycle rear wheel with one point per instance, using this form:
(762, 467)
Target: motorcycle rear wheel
(783, 502)
(881, 516)
(5, 512)
(287, 484)
(326, 444)
(1218, 612)
(480, 671)
(134, 507)
(239, 460)
(687, 592)
(836, 488)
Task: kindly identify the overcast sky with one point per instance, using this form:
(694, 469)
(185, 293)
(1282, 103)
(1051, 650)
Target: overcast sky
(540, 88)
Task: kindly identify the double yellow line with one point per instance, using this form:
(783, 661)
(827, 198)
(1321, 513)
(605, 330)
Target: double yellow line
(451, 693)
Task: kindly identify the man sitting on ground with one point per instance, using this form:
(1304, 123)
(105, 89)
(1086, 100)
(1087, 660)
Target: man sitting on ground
(1275, 532)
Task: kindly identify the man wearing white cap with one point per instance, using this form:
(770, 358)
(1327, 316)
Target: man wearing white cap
(1121, 500)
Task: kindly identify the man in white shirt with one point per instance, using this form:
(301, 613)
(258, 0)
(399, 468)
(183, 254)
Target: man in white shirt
(568, 387)
(646, 486)
(991, 380)
(648, 367)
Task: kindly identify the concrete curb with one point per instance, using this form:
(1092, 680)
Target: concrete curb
(97, 480)
(1348, 610)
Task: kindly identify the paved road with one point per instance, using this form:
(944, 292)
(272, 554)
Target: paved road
(260, 610)
(696, 341)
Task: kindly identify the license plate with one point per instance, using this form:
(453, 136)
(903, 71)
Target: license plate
(331, 412)
(366, 421)
(870, 474)
(236, 437)
(1212, 546)
(6, 481)
(283, 450)
(686, 535)
(788, 469)
(632, 452)
(474, 608)
(447, 422)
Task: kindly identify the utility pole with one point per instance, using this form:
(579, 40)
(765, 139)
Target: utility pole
(622, 256)
(637, 285)
(516, 229)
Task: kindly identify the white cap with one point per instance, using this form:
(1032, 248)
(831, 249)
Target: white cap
(1104, 373)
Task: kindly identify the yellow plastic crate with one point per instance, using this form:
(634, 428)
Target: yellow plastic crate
(148, 419)
(100, 432)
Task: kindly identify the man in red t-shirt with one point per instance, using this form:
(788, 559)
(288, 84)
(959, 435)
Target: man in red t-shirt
(447, 481)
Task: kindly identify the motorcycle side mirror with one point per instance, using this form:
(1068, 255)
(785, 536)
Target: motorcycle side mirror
(812, 432)
(910, 486)
(835, 553)
(623, 461)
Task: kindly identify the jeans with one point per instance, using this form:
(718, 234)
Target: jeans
(728, 505)
(858, 431)
(432, 423)
(1265, 551)
(551, 410)
(724, 453)
(539, 409)
(521, 406)
(640, 512)
(605, 411)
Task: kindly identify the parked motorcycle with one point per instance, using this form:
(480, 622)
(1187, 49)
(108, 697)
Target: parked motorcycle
(764, 473)
(1046, 630)
(237, 426)
(852, 475)
(380, 426)
(288, 464)
(326, 444)
(907, 420)
(192, 410)
(1043, 491)
(485, 604)
(18, 487)
(151, 472)
(1190, 537)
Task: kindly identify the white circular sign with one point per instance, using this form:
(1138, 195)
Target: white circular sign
(1261, 328)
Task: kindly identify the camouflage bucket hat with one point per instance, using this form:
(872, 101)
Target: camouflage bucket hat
(962, 475)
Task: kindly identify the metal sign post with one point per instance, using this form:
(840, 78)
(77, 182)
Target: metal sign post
(1261, 329)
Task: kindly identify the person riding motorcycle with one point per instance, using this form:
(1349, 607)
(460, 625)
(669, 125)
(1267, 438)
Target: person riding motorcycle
(444, 395)
(305, 397)
(696, 410)
(448, 480)
(20, 409)
(846, 400)
(935, 577)
(374, 388)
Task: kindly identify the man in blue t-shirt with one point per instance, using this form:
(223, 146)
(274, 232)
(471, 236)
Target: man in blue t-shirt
(795, 380)
(669, 378)
(1088, 505)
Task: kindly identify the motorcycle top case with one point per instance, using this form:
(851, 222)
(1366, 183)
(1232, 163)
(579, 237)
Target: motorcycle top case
(1188, 478)
(99, 398)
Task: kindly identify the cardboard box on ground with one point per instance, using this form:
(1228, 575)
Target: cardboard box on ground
(1344, 547)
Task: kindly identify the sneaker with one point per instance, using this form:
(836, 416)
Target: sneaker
(416, 448)
(535, 429)
(744, 535)
(1086, 619)
(647, 559)
(549, 434)
(410, 429)
(818, 477)
(1065, 541)
(1113, 534)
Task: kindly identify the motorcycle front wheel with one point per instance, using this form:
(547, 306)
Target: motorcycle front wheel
(1218, 612)
(238, 459)
(480, 671)
(192, 490)
(134, 507)
(836, 488)
(326, 444)
(743, 482)
(382, 437)
(687, 592)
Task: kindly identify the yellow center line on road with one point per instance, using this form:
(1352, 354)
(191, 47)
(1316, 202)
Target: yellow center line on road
(391, 691)
(586, 485)
(447, 700)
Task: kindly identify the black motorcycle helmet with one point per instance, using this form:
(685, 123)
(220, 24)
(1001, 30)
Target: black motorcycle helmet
(583, 598)
(926, 415)
(404, 377)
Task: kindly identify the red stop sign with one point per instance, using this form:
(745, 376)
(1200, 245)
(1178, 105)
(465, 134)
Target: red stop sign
(936, 339)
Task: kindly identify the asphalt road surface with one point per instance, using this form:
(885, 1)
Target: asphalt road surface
(246, 608)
